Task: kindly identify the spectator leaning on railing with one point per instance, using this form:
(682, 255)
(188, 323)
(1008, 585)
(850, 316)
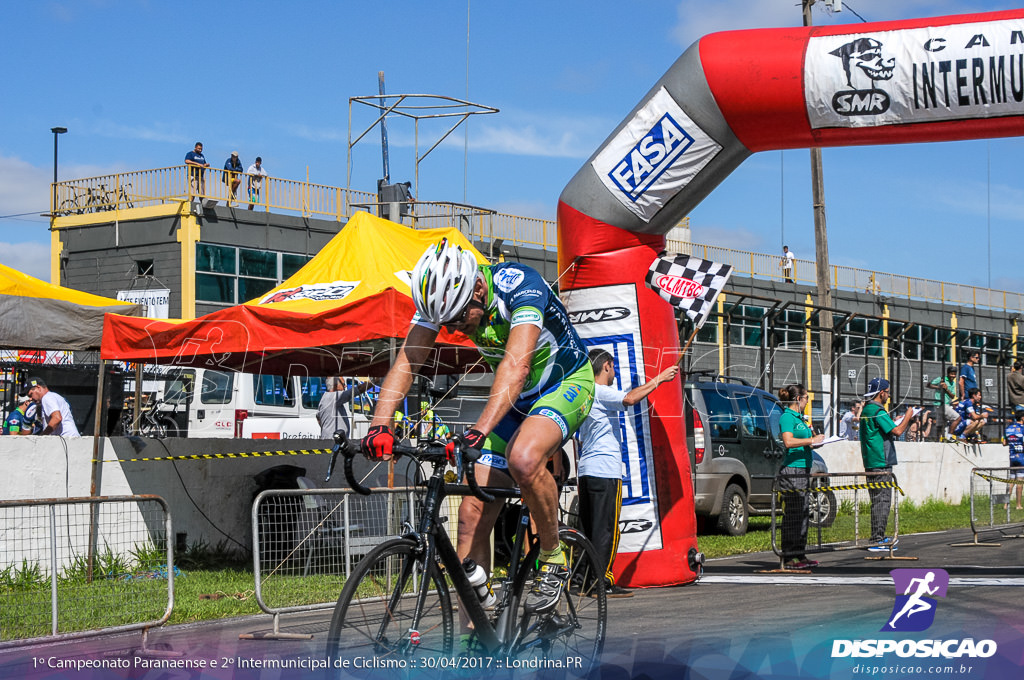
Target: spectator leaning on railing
(197, 169)
(232, 175)
(256, 174)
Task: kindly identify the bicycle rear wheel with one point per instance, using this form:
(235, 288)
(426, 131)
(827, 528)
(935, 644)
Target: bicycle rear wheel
(377, 606)
(569, 639)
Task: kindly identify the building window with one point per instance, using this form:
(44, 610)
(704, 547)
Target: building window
(227, 275)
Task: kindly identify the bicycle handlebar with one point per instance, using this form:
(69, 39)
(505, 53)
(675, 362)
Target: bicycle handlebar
(465, 459)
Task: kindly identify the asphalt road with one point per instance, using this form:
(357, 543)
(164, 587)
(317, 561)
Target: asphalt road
(741, 620)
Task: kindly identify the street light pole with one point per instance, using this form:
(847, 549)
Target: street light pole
(53, 198)
(821, 265)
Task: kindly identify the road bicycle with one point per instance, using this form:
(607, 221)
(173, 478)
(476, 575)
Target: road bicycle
(397, 607)
(99, 199)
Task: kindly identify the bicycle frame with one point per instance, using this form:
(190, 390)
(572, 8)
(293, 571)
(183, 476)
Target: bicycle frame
(437, 547)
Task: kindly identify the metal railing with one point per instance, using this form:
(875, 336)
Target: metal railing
(761, 265)
(836, 507)
(307, 541)
(995, 496)
(75, 567)
(161, 186)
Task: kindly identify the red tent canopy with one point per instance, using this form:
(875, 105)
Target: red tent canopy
(337, 315)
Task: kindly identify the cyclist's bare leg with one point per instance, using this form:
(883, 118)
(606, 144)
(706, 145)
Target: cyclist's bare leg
(528, 452)
(476, 522)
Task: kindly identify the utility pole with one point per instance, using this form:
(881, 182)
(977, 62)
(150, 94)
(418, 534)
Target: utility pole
(821, 266)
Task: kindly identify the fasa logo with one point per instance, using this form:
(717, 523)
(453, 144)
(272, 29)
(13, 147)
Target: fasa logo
(915, 605)
(650, 157)
(598, 315)
(508, 278)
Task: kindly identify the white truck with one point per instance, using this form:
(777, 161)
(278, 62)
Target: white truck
(209, 403)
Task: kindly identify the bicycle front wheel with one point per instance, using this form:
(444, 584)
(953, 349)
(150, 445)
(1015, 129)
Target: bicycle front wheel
(568, 640)
(395, 607)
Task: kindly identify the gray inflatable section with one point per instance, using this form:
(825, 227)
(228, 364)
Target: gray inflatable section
(589, 193)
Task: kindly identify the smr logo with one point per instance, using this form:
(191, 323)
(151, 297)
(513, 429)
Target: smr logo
(864, 65)
(915, 605)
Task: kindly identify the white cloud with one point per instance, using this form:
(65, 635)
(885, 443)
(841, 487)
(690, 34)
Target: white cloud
(29, 258)
(156, 132)
(23, 187)
(738, 238)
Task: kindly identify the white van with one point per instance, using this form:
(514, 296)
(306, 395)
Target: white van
(229, 404)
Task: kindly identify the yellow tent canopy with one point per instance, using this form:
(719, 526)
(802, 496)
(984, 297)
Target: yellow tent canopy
(39, 315)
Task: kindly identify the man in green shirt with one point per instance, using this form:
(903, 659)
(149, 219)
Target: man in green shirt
(878, 433)
(945, 396)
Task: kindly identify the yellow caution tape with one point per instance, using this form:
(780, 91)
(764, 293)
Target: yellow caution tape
(999, 479)
(847, 487)
(222, 456)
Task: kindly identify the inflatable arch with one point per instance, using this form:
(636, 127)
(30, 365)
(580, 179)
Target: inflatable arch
(729, 95)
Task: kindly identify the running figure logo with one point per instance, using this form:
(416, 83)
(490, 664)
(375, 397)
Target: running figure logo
(914, 609)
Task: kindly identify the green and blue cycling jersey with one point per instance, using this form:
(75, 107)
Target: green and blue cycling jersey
(560, 385)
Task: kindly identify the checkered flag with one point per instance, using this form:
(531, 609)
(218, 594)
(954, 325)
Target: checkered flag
(689, 283)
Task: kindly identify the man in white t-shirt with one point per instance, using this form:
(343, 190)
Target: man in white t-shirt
(600, 465)
(787, 264)
(256, 174)
(57, 418)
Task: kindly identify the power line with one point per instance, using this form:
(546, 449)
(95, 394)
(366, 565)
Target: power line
(24, 214)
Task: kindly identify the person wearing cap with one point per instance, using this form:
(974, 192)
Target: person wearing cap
(57, 418)
(22, 419)
(945, 398)
(878, 434)
(1014, 438)
(256, 174)
(233, 175)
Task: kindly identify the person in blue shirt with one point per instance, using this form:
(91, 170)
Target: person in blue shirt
(794, 478)
(196, 162)
(972, 417)
(968, 378)
(1014, 437)
(22, 420)
(233, 175)
(542, 391)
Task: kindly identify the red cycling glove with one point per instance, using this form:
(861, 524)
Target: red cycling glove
(378, 442)
(470, 439)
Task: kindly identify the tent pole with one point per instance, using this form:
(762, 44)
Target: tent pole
(392, 354)
(97, 466)
(137, 405)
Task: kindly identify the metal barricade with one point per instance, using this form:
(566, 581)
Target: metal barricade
(835, 506)
(307, 541)
(995, 496)
(75, 567)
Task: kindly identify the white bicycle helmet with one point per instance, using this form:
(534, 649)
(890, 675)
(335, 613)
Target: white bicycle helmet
(442, 282)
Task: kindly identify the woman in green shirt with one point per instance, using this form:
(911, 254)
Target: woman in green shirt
(794, 479)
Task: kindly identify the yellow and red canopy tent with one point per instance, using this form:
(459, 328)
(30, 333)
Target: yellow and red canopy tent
(336, 315)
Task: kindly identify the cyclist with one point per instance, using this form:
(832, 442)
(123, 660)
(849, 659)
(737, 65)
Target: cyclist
(543, 388)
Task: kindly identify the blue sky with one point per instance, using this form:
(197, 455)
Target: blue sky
(138, 82)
